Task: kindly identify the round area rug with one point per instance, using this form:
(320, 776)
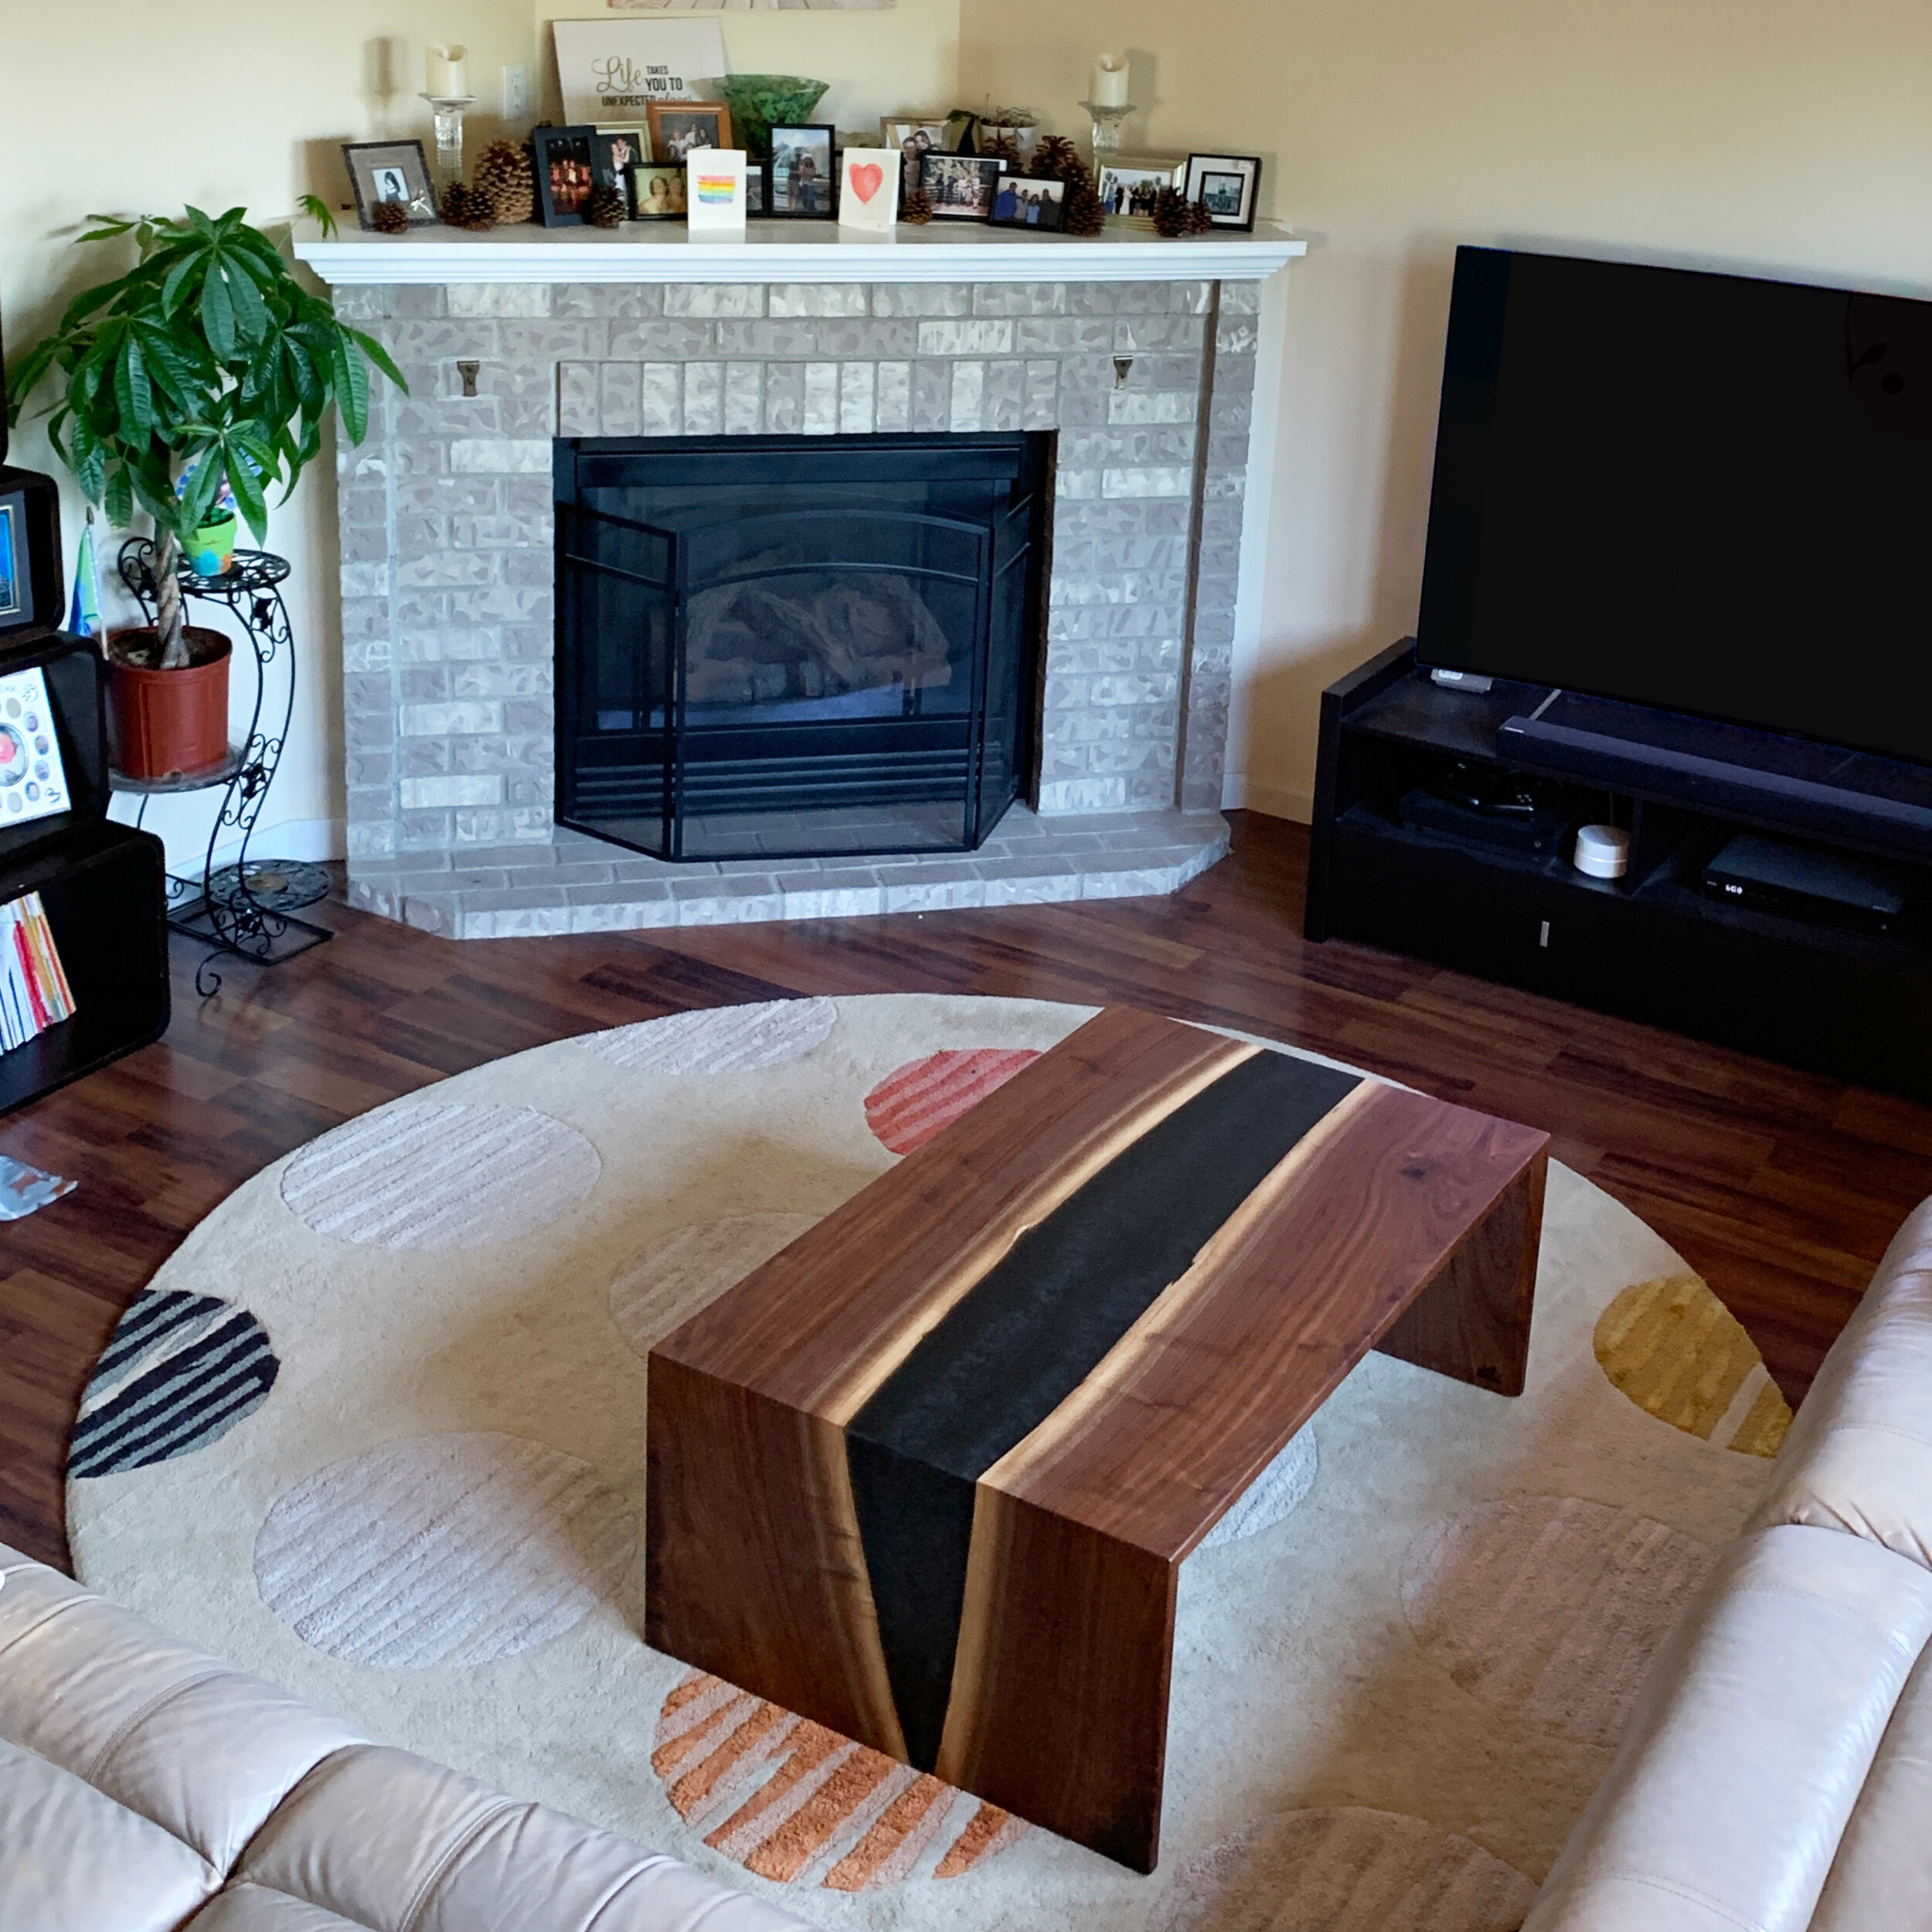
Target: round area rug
(376, 1432)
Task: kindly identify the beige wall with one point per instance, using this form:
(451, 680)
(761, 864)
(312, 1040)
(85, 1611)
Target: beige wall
(1784, 135)
(877, 63)
(137, 113)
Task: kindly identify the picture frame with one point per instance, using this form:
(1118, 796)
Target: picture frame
(391, 171)
(755, 195)
(567, 169)
(1128, 183)
(802, 176)
(914, 139)
(656, 191)
(678, 128)
(962, 186)
(31, 590)
(1039, 207)
(1226, 185)
(620, 147)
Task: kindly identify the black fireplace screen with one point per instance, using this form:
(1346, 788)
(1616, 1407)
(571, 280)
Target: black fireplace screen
(776, 647)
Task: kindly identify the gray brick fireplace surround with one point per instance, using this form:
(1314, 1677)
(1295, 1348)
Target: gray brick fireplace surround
(447, 564)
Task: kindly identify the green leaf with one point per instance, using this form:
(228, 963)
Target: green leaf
(351, 386)
(218, 317)
(249, 499)
(118, 499)
(380, 356)
(318, 212)
(133, 394)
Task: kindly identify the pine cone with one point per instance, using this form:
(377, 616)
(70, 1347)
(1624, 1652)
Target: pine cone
(506, 183)
(1085, 216)
(465, 208)
(390, 218)
(917, 208)
(1057, 159)
(1176, 217)
(606, 208)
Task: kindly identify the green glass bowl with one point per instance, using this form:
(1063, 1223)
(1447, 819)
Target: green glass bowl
(760, 102)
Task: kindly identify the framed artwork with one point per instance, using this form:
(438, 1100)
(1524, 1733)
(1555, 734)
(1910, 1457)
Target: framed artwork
(611, 70)
(1022, 203)
(619, 149)
(803, 183)
(391, 171)
(1127, 186)
(962, 186)
(567, 161)
(657, 192)
(754, 187)
(1226, 186)
(914, 140)
(868, 189)
(679, 129)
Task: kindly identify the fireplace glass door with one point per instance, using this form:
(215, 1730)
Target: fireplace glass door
(784, 647)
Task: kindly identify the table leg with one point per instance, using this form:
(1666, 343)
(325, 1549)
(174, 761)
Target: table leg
(1471, 1319)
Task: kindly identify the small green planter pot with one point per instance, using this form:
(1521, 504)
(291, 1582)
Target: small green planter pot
(211, 550)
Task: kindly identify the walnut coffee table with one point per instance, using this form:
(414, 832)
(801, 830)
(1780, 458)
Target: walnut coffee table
(928, 1475)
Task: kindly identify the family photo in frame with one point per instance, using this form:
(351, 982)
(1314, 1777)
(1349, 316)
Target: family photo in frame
(571, 162)
(1226, 186)
(678, 128)
(391, 173)
(1020, 201)
(803, 181)
(961, 187)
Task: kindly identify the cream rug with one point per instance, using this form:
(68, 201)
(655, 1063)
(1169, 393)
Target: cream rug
(376, 1432)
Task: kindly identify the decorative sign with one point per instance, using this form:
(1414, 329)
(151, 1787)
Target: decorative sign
(611, 70)
(750, 6)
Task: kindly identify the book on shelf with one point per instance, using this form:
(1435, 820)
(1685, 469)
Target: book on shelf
(34, 991)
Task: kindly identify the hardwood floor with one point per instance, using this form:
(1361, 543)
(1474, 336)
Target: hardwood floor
(1781, 1187)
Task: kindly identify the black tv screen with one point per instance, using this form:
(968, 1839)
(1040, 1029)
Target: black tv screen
(1707, 493)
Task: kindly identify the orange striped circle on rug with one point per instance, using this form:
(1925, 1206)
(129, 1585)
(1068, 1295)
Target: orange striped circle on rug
(799, 1804)
(913, 1102)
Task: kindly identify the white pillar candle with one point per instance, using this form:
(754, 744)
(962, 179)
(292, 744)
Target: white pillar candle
(1109, 81)
(443, 66)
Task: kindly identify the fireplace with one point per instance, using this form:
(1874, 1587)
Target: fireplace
(773, 648)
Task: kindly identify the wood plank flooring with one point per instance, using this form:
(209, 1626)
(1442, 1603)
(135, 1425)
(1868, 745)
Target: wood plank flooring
(1780, 1187)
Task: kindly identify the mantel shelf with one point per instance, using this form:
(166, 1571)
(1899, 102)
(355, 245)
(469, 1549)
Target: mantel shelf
(788, 251)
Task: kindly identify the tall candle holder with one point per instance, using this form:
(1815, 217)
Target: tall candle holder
(448, 110)
(1106, 126)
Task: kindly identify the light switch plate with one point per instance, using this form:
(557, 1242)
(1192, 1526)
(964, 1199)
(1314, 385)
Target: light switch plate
(516, 92)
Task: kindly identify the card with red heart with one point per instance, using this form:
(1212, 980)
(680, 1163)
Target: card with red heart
(869, 190)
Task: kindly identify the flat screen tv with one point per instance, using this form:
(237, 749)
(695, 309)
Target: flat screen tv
(1709, 493)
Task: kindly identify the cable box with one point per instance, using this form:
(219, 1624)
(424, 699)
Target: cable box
(1824, 888)
(1537, 830)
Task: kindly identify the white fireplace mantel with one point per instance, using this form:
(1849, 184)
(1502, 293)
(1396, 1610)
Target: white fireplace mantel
(788, 251)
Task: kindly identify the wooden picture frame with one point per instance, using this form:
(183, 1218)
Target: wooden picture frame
(802, 175)
(678, 127)
(1233, 181)
(383, 171)
(567, 169)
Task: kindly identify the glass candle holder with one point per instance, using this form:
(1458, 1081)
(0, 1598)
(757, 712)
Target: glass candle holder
(1107, 126)
(448, 110)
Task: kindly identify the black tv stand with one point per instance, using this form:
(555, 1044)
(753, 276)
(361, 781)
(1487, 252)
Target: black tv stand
(1654, 945)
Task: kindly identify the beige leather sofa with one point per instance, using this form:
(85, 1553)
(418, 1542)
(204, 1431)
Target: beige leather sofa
(1777, 1773)
(145, 1787)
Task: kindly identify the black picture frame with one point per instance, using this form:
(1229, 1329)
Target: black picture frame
(940, 176)
(812, 141)
(369, 162)
(1049, 197)
(756, 193)
(676, 206)
(1207, 174)
(32, 599)
(567, 162)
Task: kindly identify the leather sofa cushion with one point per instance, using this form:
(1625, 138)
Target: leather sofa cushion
(254, 1908)
(73, 1861)
(1858, 1456)
(392, 1841)
(1745, 1757)
(1882, 1876)
(200, 1749)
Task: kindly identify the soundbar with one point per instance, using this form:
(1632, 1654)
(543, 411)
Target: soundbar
(1879, 803)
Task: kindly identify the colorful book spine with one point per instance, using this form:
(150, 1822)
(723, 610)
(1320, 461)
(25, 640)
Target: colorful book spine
(35, 993)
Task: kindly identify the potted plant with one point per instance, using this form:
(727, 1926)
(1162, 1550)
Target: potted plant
(189, 387)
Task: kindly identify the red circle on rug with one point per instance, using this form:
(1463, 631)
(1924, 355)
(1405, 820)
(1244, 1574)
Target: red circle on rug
(913, 1102)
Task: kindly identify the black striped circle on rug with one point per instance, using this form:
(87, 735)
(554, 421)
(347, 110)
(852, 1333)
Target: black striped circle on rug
(179, 1371)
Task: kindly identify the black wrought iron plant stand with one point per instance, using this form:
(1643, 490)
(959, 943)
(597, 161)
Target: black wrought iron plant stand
(240, 908)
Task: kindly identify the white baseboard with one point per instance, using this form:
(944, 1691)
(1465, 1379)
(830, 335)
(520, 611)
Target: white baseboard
(1240, 792)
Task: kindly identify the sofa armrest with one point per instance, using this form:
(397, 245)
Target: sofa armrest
(1747, 1751)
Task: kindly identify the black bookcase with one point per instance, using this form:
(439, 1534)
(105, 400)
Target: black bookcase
(1655, 945)
(104, 886)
